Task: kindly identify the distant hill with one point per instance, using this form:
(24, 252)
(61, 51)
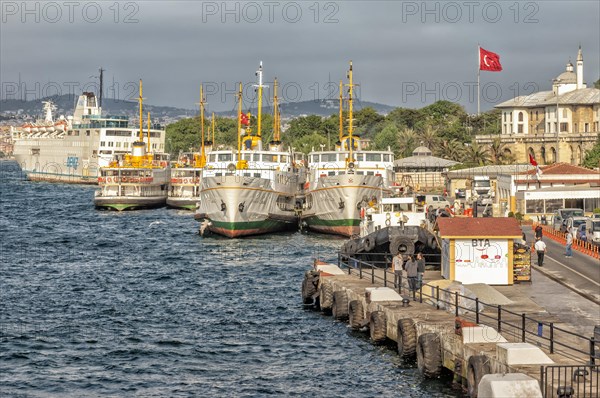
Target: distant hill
(66, 103)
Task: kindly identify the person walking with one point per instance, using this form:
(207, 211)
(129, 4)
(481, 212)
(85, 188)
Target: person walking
(397, 267)
(569, 246)
(420, 270)
(540, 248)
(412, 274)
(539, 232)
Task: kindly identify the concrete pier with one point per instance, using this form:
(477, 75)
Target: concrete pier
(517, 338)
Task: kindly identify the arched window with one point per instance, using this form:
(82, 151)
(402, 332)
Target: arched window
(553, 154)
(520, 116)
(543, 154)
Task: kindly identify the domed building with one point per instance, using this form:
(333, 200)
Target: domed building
(422, 171)
(553, 126)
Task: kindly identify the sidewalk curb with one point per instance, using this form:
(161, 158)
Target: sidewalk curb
(549, 275)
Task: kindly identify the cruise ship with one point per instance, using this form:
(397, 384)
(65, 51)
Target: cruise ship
(343, 181)
(73, 149)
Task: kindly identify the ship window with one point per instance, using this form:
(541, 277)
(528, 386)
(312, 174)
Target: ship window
(328, 157)
(118, 145)
(110, 143)
(87, 133)
(360, 173)
(218, 174)
(35, 151)
(269, 158)
(224, 157)
(315, 158)
(341, 173)
(373, 157)
(247, 174)
(284, 158)
(247, 156)
(331, 173)
(370, 173)
(386, 157)
(360, 157)
(257, 175)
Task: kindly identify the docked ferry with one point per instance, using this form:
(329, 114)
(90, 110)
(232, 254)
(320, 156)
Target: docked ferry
(343, 181)
(252, 190)
(135, 180)
(72, 149)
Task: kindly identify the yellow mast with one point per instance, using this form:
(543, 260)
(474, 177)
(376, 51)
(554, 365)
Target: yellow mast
(141, 100)
(350, 127)
(276, 126)
(148, 132)
(213, 129)
(341, 111)
(241, 164)
(202, 152)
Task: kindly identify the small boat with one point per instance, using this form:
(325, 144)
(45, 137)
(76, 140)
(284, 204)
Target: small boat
(391, 226)
(136, 180)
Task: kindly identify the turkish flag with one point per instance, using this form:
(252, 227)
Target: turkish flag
(244, 119)
(489, 61)
(532, 161)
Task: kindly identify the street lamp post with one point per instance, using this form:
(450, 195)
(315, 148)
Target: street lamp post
(557, 82)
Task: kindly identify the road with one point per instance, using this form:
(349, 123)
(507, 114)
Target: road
(580, 273)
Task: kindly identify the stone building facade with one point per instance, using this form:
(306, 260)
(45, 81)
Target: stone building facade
(553, 126)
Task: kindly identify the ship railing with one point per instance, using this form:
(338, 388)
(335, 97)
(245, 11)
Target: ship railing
(515, 326)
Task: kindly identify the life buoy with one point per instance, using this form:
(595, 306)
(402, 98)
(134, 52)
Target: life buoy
(362, 212)
(124, 179)
(108, 179)
(388, 222)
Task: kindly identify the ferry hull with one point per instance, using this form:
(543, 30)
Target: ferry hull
(61, 178)
(183, 203)
(129, 203)
(333, 207)
(243, 206)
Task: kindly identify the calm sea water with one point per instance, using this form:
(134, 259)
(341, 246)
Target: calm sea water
(96, 303)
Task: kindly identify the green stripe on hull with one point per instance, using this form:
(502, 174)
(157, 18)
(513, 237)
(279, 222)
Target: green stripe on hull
(346, 222)
(119, 206)
(267, 225)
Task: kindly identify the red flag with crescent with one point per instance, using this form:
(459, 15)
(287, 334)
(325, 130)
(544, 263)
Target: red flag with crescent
(244, 119)
(489, 61)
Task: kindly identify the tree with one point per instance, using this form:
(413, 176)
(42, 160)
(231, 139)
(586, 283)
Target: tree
(430, 138)
(365, 119)
(310, 142)
(302, 126)
(592, 157)
(476, 155)
(597, 84)
(408, 142)
(497, 151)
(387, 137)
(451, 149)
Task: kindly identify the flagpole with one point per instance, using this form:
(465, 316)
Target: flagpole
(478, 73)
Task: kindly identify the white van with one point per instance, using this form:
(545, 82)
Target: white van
(592, 230)
(560, 217)
(435, 201)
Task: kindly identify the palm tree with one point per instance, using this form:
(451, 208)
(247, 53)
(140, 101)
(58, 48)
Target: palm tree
(497, 151)
(476, 155)
(430, 138)
(450, 149)
(408, 142)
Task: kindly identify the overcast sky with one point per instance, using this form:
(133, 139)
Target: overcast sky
(405, 53)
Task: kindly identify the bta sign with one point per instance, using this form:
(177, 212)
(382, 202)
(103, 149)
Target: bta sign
(481, 261)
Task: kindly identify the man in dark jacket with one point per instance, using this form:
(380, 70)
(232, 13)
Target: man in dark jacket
(420, 270)
(412, 273)
(539, 232)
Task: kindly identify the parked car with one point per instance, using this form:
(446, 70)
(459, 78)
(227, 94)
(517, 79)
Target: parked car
(461, 193)
(592, 230)
(560, 216)
(581, 233)
(596, 215)
(573, 223)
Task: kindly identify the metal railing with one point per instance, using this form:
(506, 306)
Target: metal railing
(519, 326)
(570, 381)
